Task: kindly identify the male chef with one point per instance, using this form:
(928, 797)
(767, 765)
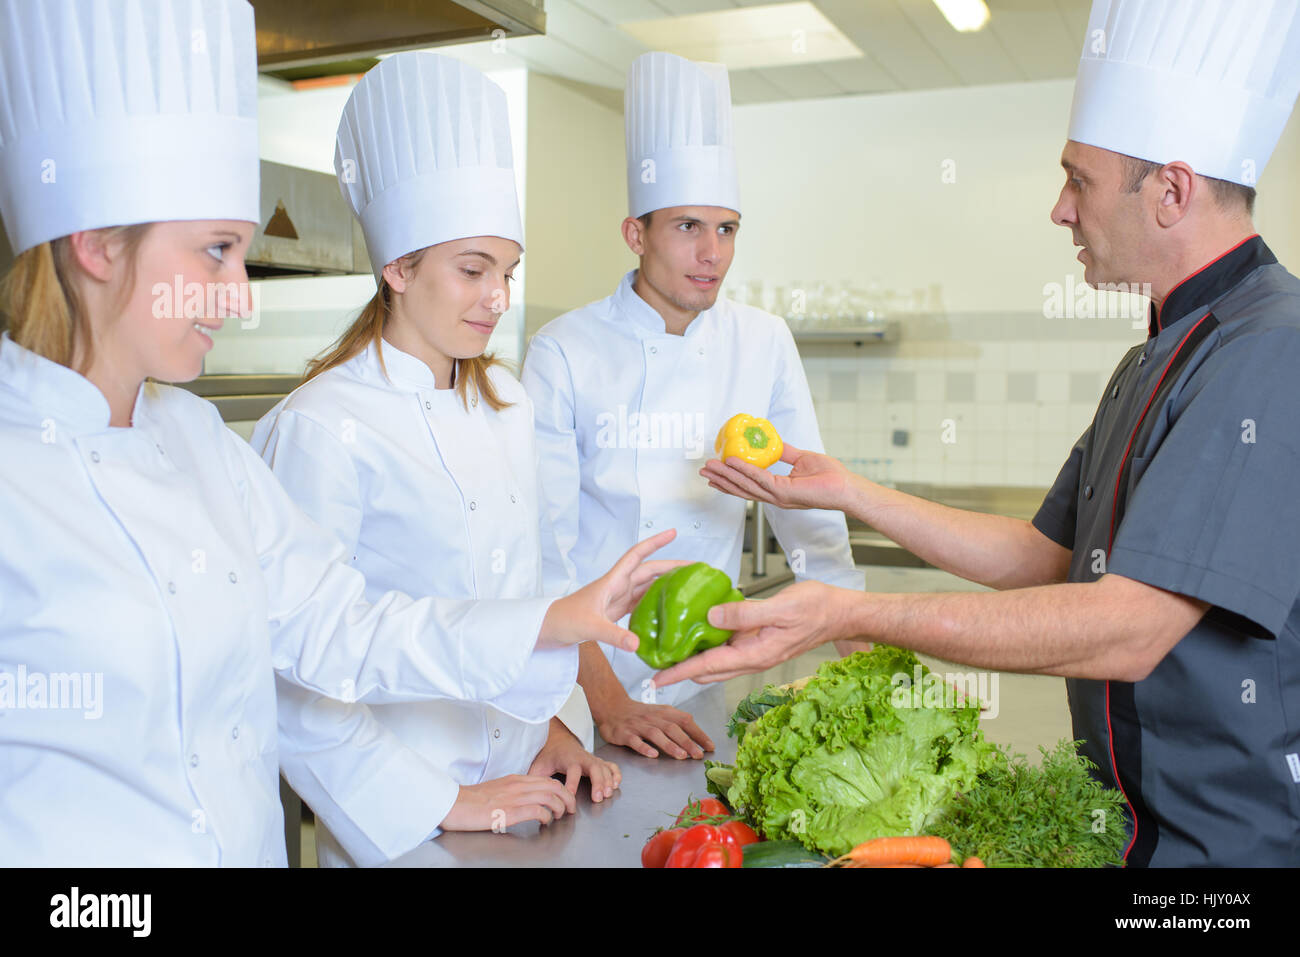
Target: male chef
(630, 391)
(1160, 575)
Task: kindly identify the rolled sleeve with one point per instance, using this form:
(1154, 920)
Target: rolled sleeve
(1215, 514)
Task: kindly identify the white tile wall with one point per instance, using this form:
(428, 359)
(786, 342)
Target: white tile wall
(997, 442)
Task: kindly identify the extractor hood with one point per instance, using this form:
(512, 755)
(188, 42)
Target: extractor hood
(303, 33)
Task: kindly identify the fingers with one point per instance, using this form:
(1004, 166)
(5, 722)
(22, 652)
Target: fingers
(644, 574)
(657, 736)
(645, 548)
(716, 664)
(687, 724)
(742, 615)
(682, 740)
(790, 454)
(573, 777)
(751, 476)
(623, 736)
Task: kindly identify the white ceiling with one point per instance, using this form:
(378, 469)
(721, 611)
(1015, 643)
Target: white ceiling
(906, 45)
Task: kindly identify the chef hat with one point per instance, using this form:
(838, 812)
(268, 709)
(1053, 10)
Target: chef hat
(680, 150)
(423, 156)
(131, 112)
(1208, 82)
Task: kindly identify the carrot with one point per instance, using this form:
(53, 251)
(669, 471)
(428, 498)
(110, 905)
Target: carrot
(973, 862)
(880, 851)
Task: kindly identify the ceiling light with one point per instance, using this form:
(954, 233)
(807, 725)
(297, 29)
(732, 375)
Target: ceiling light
(966, 16)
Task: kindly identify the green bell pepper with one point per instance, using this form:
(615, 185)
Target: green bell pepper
(672, 617)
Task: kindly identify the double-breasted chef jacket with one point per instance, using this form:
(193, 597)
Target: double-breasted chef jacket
(1187, 480)
(627, 414)
(165, 562)
(427, 494)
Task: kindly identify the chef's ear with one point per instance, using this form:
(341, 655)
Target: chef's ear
(634, 233)
(397, 274)
(95, 252)
(1178, 185)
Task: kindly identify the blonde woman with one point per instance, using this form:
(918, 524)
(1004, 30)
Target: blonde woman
(154, 577)
(417, 449)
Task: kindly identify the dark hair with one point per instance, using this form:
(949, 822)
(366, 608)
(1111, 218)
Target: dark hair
(645, 218)
(1225, 193)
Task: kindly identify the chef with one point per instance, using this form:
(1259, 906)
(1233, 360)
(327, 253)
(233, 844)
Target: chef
(1160, 575)
(416, 449)
(630, 391)
(154, 576)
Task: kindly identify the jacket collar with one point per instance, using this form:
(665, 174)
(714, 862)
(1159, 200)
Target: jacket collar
(630, 307)
(1209, 283)
(404, 369)
(56, 391)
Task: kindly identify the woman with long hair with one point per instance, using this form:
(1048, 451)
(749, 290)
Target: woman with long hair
(154, 576)
(416, 448)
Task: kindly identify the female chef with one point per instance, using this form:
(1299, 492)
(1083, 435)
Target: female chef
(154, 577)
(417, 451)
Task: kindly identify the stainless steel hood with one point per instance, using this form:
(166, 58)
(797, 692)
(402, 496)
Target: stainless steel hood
(299, 33)
(305, 227)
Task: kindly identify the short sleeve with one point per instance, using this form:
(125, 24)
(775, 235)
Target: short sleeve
(1215, 514)
(1058, 516)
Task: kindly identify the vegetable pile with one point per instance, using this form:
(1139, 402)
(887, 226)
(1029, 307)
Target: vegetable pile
(858, 753)
(854, 755)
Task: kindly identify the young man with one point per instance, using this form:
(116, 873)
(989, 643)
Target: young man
(631, 391)
(1161, 574)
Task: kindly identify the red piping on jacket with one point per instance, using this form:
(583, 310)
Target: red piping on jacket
(1160, 308)
(1110, 541)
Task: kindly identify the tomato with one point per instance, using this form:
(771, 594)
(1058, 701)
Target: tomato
(702, 810)
(742, 832)
(691, 841)
(713, 854)
(657, 849)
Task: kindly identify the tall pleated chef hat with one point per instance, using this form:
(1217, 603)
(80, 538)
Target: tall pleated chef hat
(680, 150)
(1208, 82)
(423, 156)
(129, 112)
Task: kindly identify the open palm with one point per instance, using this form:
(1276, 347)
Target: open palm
(815, 480)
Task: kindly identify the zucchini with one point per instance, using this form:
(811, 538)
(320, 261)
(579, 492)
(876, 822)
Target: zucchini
(781, 854)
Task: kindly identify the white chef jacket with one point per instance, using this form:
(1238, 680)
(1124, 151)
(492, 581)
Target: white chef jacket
(627, 414)
(166, 562)
(428, 496)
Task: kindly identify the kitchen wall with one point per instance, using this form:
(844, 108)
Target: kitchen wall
(949, 189)
(577, 197)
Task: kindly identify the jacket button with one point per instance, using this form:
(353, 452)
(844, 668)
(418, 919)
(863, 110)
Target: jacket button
(701, 352)
(234, 732)
(1087, 491)
(649, 524)
(1114, 393)
(171, 587)
(427, 404)
(695, 524)
(194, 760)
(513, 500)
(496, 732)
(233, 578)
(1142, 358)
(472, 506)
(474, 402)
(94, 456)
(654, 350)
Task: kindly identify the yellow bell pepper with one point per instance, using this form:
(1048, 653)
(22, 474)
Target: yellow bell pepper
(748, 438)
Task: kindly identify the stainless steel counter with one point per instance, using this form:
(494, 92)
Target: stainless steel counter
(609, 834)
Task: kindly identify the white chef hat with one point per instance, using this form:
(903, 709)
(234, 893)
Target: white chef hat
(1208, 82)
(423, 156)
(680, 150)
(130, 112)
